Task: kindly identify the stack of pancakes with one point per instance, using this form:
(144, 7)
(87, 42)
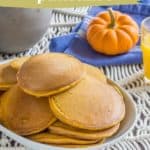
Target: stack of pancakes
(55, 99)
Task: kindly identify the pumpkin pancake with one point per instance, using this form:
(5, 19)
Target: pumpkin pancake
(49, 138)
(95, 72)
(83, 146)
(7, 76)
(1, 93)
(65, 130)
(49, 73)
(18, 62)
(91, 105)
(25, 114)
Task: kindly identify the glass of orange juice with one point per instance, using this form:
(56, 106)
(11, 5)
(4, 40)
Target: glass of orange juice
(145, 46)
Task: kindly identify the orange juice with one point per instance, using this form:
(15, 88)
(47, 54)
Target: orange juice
(145, 46)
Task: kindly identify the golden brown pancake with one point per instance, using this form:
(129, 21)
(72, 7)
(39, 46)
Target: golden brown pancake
(49, 138)
(91, 105)
(18, 62)
(25, 114)
(7, 76)
(49, 73)
(65, 130)
(83, 146)
(95, 72)
(1, 93)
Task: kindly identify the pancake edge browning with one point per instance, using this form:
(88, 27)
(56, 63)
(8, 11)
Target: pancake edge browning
(49, 93)
(84, 134)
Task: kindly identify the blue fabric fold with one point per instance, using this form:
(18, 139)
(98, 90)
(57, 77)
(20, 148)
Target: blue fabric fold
(59, 44)
(85, 53)
(76, 44)
(144, 1)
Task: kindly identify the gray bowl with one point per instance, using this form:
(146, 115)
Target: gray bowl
(21, 28)
(126, 126)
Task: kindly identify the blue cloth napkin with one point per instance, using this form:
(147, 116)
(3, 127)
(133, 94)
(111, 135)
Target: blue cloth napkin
(76, 44)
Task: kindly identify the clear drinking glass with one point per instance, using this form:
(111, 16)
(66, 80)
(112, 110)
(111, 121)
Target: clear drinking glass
(145, 46)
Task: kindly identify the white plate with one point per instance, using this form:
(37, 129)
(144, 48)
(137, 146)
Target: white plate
(126, 126)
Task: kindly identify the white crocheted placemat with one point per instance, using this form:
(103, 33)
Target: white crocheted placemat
(128, 76)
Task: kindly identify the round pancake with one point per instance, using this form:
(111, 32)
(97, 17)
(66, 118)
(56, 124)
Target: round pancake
(95, 72)
(18, 62)
(49, 138)
(49, 73)
(65, 130)
(25, 114)
(7, 76)
(91, 105)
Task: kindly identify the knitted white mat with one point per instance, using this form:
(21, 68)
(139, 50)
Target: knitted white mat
(128, 76)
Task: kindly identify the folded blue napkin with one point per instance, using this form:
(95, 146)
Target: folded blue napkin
(76, 44)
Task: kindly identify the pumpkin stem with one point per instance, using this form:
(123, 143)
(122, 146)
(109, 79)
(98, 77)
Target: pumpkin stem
(112, 24)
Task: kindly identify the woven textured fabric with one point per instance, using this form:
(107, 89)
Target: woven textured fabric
(128, 76)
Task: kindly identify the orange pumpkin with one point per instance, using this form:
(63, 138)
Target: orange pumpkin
(112, 32)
